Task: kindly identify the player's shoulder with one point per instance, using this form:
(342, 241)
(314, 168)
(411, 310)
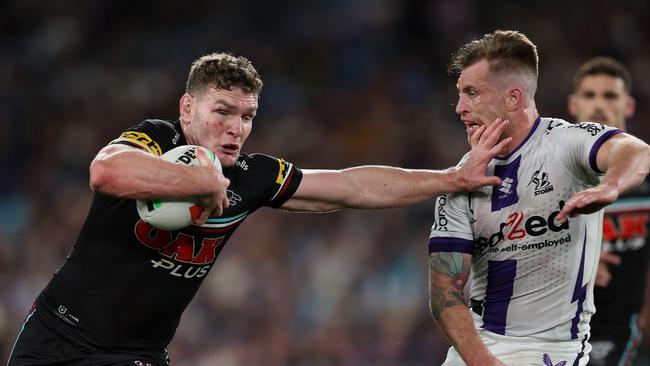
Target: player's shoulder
(272, 180)
(258, 158)
(554, 125)
(157, 124)
(155, 135)
(259, 162)
(560, 127)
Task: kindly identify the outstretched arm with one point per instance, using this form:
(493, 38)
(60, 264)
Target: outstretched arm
(626, 161)
(448, 274)
(372, 187)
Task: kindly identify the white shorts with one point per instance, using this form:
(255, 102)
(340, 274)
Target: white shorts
(523, 351)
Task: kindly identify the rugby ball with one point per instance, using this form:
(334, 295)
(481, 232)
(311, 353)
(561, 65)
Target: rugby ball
(175, 214)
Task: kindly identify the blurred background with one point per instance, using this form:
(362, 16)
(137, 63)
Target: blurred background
(346, 83)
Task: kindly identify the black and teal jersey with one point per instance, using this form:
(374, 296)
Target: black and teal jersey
(125, 284)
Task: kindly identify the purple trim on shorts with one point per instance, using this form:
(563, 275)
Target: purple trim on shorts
(596, 146)
(532, 131)
(579, 292)
(451, 245)
(500, 284)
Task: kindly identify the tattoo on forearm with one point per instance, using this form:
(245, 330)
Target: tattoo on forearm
(448, 273)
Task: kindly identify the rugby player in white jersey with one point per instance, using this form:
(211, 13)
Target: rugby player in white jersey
(530, 245)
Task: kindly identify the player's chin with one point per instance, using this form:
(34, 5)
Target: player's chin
(470, 132)
(228, 160)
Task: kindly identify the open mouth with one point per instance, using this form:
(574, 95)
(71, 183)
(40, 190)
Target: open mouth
(471, 127)
(230, 148)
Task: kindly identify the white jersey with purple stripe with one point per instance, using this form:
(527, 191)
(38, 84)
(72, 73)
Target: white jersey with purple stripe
(531, 276)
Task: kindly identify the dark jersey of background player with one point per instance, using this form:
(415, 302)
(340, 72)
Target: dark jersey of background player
(120, 262)
(602, 93)
(615, 331)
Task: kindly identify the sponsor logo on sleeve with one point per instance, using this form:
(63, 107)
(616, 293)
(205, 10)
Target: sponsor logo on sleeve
(441, 221)
(283, 170)
(590, 127)
(141, 139)
(551, 125)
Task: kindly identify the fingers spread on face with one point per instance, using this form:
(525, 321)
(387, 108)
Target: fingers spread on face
(475, 136)
(497, 127)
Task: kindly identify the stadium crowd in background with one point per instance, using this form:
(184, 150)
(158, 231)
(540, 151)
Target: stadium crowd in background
(345, 85)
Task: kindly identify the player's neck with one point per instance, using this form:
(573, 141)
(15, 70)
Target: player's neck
(521, 123)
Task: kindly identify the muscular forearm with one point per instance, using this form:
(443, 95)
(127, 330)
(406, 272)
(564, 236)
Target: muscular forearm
(448, 274)
(386, 187)
(458, 327)
(369, 187)
(372, 187)
(126, 172)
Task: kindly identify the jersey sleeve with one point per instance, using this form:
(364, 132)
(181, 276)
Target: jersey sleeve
(279, 177)
(577, 146)
(151, 135)
(452, 230)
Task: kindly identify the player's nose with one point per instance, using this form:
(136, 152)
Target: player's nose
(461, 106)
(235, 127)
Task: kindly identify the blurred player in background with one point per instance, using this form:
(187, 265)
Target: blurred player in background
(601, 93)
(532, 244)
(119, 297)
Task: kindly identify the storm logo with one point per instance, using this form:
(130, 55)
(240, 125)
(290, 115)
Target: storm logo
(541, 182)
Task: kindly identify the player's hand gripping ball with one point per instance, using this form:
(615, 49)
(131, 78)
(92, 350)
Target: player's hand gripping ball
(177, 214)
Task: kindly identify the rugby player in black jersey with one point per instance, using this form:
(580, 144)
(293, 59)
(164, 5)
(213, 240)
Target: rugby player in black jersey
(119, 296)
(602, 93)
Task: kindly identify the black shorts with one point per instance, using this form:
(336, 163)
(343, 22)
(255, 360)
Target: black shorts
(40, 344)
(616, 347)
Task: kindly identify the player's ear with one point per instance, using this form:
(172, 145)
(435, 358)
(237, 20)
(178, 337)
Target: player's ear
(515, 99)
(630, 107)
(185, 107)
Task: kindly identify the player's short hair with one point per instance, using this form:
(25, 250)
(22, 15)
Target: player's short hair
(505, 50)
(223, 71)
(603, 65)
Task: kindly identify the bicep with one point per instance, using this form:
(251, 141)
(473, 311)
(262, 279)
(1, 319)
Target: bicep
(112, 149)
(111, 162)
(618, 141)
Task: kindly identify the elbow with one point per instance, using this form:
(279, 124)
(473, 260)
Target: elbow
(100, 175)
(646, 154)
